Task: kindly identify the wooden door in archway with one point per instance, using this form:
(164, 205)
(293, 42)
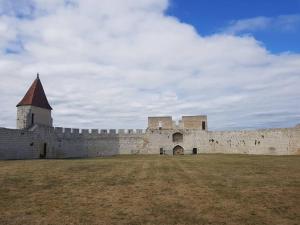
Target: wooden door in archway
(178, 150)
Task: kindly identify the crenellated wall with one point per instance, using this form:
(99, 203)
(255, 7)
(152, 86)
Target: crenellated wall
(82, 143)
(68, 142)
(74, 142)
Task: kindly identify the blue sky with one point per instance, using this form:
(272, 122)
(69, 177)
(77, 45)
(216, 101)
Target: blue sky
(210, 16)
(113, 63)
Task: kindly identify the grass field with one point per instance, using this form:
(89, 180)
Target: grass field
(203, 189)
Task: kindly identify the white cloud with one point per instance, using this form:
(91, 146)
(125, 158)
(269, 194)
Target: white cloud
(281, 23)
(111, 63)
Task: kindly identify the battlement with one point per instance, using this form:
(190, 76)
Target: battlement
(77, 131)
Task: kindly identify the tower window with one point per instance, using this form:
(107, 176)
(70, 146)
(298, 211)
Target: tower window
(32, 118)
(203, 125)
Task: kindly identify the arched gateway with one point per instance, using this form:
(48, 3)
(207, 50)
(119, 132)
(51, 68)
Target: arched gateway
(178, 150)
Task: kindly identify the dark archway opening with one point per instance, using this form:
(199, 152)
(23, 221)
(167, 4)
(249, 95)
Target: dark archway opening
(195, 151)
(44, 151)
(178, 150)
(177, 137)
(161, 151)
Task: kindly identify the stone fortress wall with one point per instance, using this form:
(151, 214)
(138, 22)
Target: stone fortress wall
(284, 141)
(35, 137)
(163, 136)
(61, 142)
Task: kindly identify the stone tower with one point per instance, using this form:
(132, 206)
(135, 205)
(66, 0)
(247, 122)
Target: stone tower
(34, 108)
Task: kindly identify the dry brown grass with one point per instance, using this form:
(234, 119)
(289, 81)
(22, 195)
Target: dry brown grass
(203, 189)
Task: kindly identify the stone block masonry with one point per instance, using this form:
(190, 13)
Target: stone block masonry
(261, 142)
(19, 144)
(47, 142)
(58, 142)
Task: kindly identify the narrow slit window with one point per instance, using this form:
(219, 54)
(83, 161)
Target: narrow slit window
(32, 118)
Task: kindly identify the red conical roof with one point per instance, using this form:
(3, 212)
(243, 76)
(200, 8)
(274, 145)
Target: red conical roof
(35, 96)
